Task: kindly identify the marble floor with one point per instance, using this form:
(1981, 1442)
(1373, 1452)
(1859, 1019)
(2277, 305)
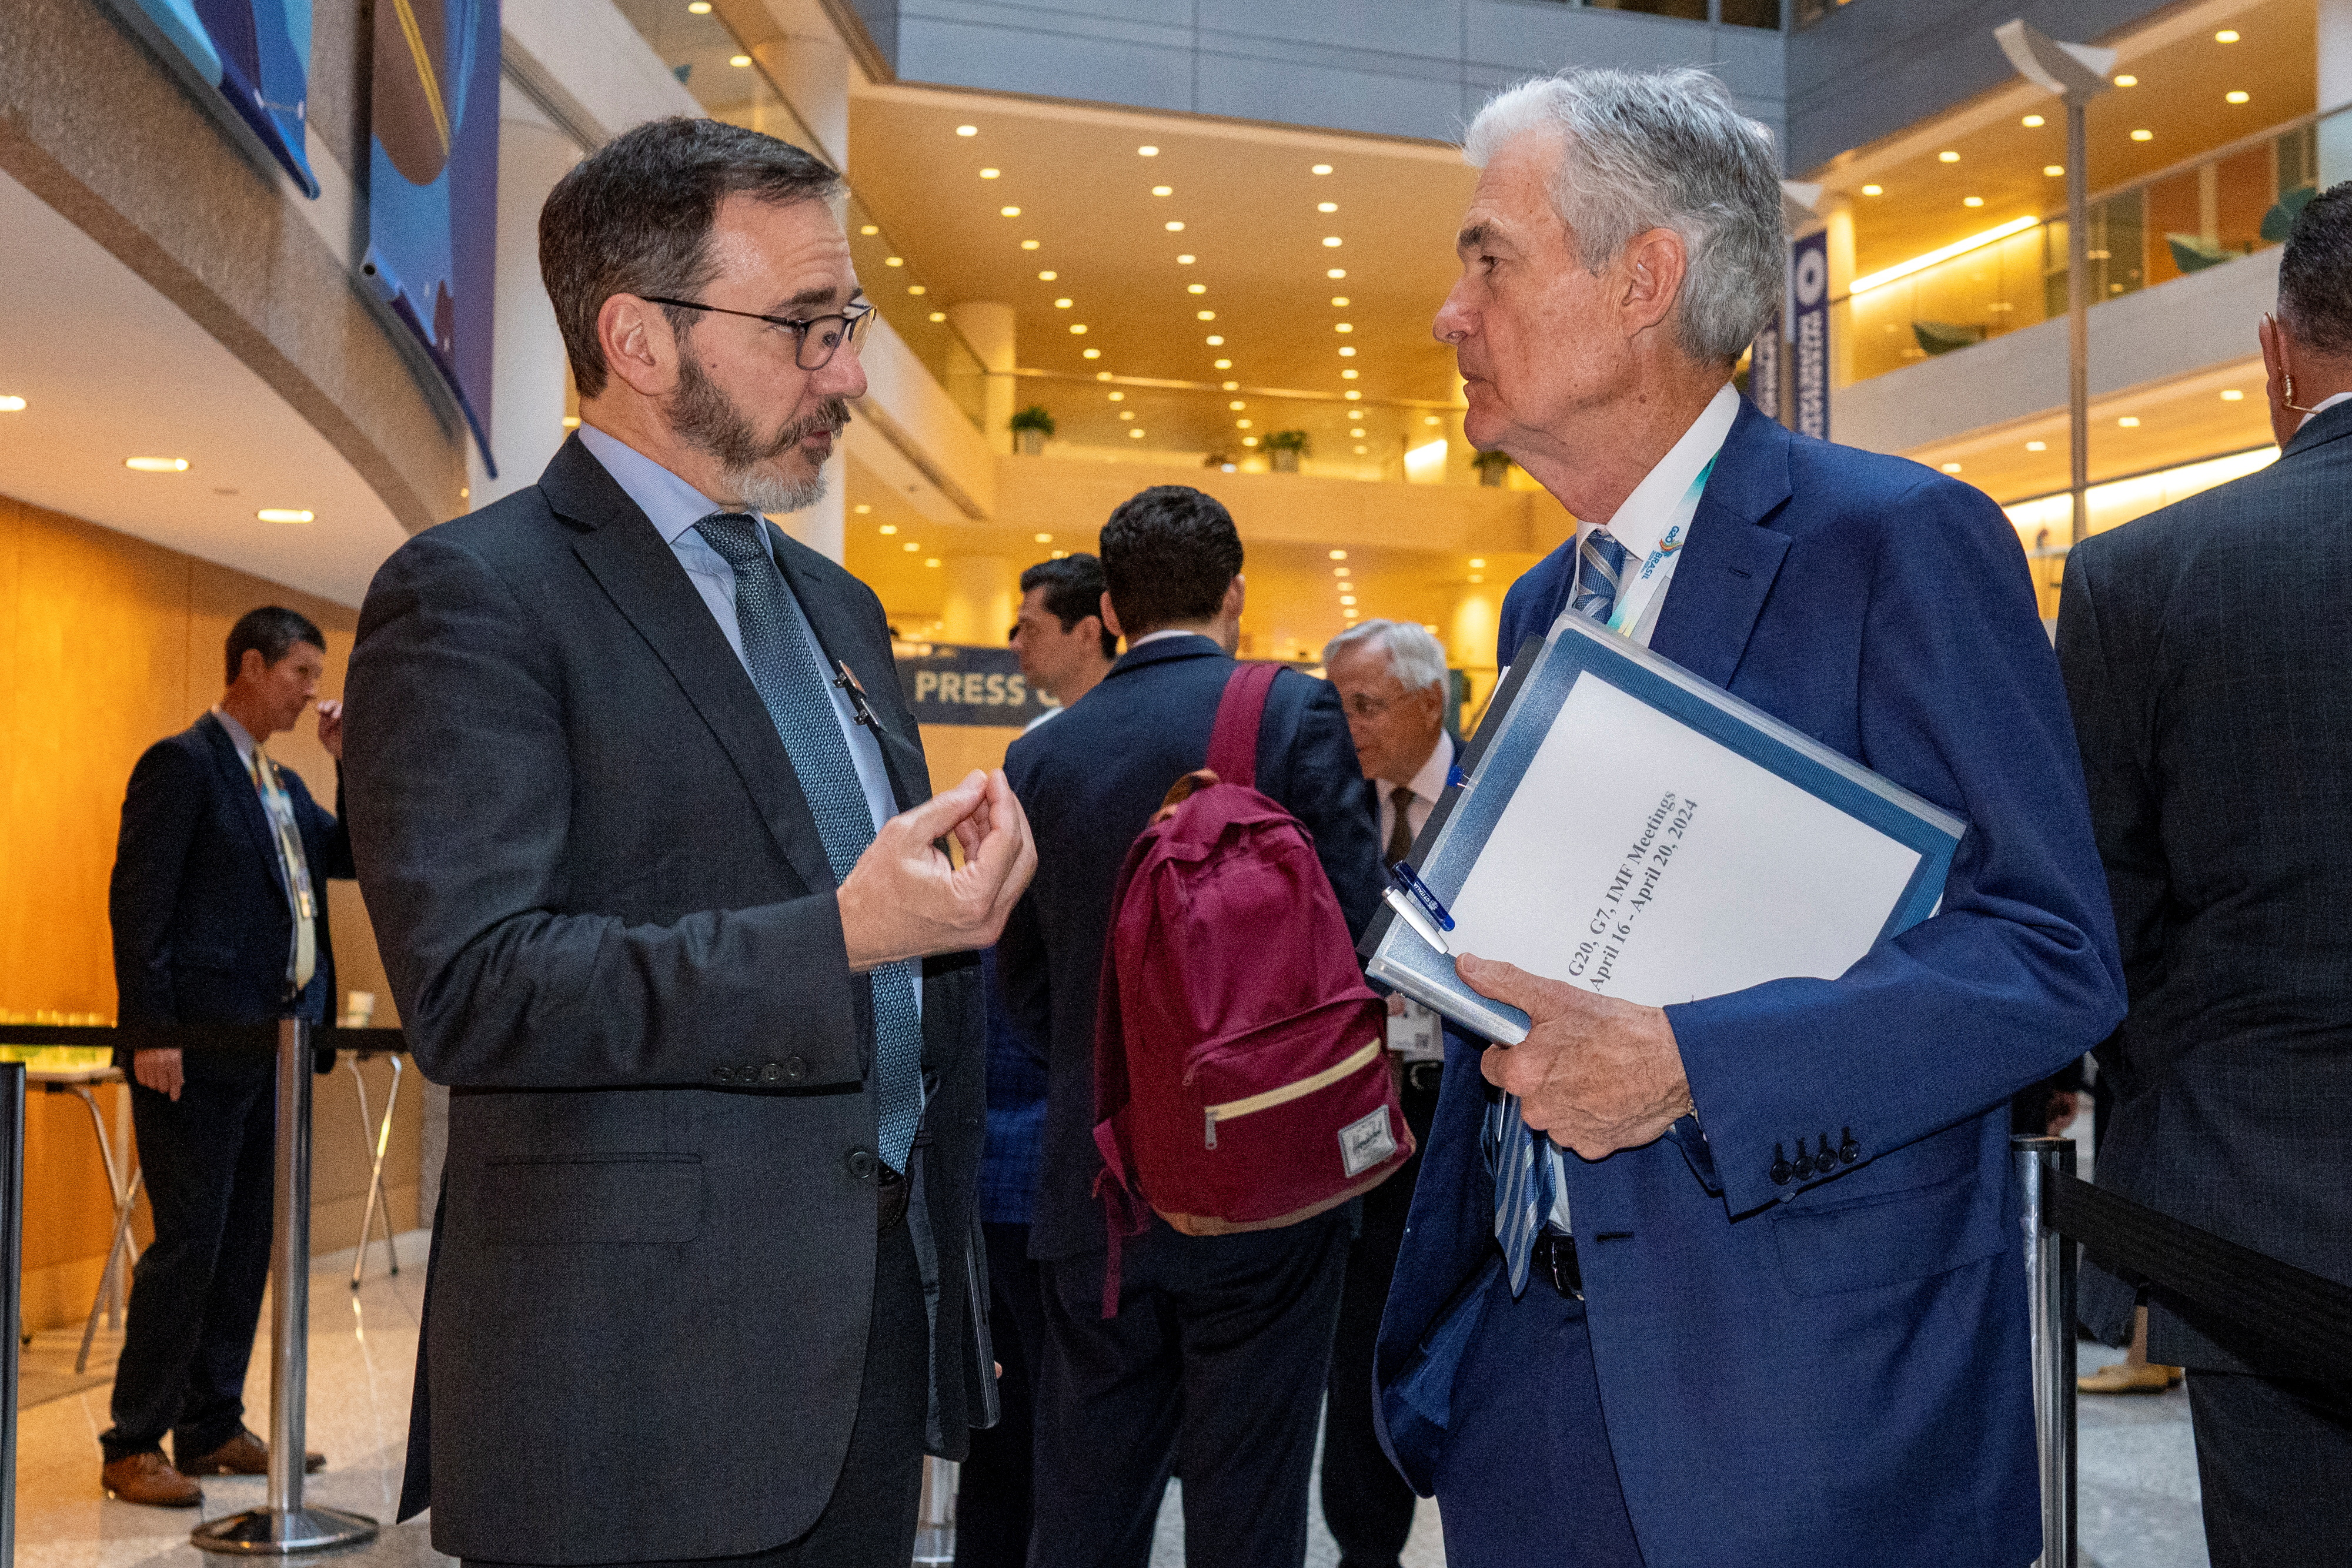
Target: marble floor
(2137, 1465)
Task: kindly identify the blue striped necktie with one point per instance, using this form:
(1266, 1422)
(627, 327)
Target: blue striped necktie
(1523, 1167)
(785, 671)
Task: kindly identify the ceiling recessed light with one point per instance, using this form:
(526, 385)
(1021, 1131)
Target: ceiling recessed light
(2128, 80)
(1048, 275)
(1096, 354)
(894, 261)
(916, 288)
(1237, 405)
(2235, 97)
(1353, 395)
(2226, 35)
(157, 465)
(2142, 136)
(1062, 304)
(889, 528)
(1147, 152)
(1175, 226)
(1431, 419)
(2037, 446)
(2129, 422)
(1477, 563)
(1136, 434)
(2034, 123)
(285, 515)
(861, 508)
(1348, 375)
(1183, 261)
(1249, 441)
(1873, 190)
(1204, 315)
(1951, 467)
(1241, 425)
(739, 61)
(1079, 328)
(1028, 244)
(869, 229)
(937, 316)
(1973, 201)
(1337, 272)
(699, 8)
(911, 546)
(2053, 170)
(1127, 414)
(1044, 539)
(571, 422)
(990, 173)
(1010, 211)
(1361, 450)
(12, 405)
(1331, 240)
(2233, 395)
(1347, 353)
(1163, 189)
(967, 130)
(1343, 326)
(1947, 157)
(1327, 206)
(1118, 397)
(1347, 598)
(933, 562)
(1321, 169)
(1196, 288)
(1099, 375)
(1339, 299)
(1214, 340)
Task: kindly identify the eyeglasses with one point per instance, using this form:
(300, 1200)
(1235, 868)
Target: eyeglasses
(816, 340)
(1363, 704)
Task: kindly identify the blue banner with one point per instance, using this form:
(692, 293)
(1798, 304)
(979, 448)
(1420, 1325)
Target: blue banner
(1764, 369)
(256, 54)
(432, 183)
(1809, 278)
(948, 684)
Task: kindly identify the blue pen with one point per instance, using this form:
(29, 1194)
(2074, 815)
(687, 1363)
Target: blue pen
(1457, 778)
(1404, 878)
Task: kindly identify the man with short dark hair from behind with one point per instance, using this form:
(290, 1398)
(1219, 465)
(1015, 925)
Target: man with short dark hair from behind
(647, 834)
(219, 908)
(1214, 1368)
(1065, 654)
(2203, 650)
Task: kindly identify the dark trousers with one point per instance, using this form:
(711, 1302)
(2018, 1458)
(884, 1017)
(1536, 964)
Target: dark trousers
(195, 1296)
(1213, 1371)
(1526, 1475)
(869, 1520)
(993, 1495)
(2274, 1464)
(1366, 1503)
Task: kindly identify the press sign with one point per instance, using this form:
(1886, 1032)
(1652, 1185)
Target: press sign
(968, 685)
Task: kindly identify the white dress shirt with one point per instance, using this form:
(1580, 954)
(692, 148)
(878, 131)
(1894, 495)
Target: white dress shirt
(1426, 786)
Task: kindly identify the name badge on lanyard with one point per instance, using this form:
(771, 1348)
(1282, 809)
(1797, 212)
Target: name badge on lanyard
(1634, 598)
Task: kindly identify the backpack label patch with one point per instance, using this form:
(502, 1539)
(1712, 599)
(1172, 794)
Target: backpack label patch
(1367, 1142)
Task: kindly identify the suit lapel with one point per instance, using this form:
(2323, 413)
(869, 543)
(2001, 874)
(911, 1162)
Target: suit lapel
(246, 802)
(841, 636)
(1728, 567)
(620, 548)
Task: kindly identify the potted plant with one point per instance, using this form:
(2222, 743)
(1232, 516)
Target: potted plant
(1031, 426)
(1493, 466)
(1285, 447)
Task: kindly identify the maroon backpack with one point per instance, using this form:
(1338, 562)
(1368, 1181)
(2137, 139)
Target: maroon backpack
(1242, 1079)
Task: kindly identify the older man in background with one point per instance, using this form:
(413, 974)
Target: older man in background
(1695, 1349)
(1391, 677)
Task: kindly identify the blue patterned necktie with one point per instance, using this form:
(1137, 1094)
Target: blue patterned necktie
(1523, 1167)
(785, 671)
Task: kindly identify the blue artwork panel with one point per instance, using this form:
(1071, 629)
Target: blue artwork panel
(256, 54)
(433, 175)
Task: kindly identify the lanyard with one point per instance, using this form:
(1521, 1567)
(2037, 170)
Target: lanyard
(1634, 598)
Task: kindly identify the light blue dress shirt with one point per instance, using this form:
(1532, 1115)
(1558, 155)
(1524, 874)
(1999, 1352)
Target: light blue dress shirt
(675, 507)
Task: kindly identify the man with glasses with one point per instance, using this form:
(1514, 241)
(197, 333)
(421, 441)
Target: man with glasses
(646, 835)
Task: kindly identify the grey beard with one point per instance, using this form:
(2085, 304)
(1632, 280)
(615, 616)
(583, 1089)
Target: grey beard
(707, 419)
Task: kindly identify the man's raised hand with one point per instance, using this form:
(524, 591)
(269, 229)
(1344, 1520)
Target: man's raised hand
(905, 899)
(1596, 1073)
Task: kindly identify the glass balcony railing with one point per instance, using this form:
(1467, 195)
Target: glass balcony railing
(2213, 209)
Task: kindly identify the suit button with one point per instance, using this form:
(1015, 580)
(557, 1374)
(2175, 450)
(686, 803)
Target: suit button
(861, 1165)
(725, 1074)
(1781, 1169)
(1804, 1166)
(1849, 1150)
(795, 1069)
(771, 1073)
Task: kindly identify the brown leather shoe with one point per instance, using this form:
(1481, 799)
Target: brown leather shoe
(145, 1478)
(244, 1455)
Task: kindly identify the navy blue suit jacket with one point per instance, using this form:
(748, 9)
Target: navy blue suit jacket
(1089, 781)
(202, 923)
(1833, 1371)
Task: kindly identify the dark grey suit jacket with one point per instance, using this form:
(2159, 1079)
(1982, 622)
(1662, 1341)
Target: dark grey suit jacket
(2208, 655)
(609, 925)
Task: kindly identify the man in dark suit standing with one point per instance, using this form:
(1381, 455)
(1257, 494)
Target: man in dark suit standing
(219, 904)
(645, 829)
(1391, 677)
(2204, 652)
(1213, 1367)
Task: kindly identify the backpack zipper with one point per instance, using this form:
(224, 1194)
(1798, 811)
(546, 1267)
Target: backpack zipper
(1270, 1098)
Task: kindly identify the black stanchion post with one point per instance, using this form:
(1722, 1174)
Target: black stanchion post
(284, 1525)
(2050, 1281)
(12, 1298)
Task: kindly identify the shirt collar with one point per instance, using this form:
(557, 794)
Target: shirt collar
(1156, 636)
(2324, 404)
(673, 504)
(1654, 505)
(238, 735)
(1430, 782)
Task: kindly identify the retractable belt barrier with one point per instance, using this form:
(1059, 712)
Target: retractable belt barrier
(282, 1525)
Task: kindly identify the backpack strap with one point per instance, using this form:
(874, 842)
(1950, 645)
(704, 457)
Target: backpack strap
(1232, 744)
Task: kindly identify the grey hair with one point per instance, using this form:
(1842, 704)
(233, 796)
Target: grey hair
(1414, 656)
(1650, 149)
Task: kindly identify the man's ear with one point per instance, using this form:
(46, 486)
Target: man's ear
(1235, 591)
(1110, 616)
(1652, 268)
(639, 345)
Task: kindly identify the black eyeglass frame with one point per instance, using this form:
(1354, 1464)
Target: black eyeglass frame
(853, 319)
